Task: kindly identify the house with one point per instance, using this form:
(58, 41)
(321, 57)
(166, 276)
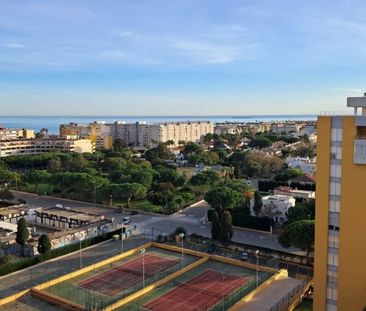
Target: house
(274, 206)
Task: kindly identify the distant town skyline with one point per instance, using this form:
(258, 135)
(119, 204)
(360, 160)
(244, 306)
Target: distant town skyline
(180, 57)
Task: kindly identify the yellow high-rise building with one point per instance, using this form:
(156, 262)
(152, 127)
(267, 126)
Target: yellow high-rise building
(340, 238)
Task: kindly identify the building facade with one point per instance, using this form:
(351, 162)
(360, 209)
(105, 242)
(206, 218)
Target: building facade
(36, 146)
(147, 135)
(340, 240)
(275, 206)
(13, 134)
(98, 132)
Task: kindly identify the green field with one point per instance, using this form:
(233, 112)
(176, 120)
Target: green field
(40, 188)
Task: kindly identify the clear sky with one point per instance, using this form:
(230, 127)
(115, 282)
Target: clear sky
(180, 57)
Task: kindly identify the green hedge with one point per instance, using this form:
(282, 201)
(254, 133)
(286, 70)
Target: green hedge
(57, 252)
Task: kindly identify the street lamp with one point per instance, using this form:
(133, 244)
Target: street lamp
(181, 238)
(122, 238)
(257, 255)
(81, 258)
(143, 266)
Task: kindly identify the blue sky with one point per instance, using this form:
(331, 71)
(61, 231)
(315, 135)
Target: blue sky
(181, 57)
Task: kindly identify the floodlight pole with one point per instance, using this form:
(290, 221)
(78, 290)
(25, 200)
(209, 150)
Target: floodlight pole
(182, 239)
(143, 267)
(257, 255)
(122, 239)
(81, 258)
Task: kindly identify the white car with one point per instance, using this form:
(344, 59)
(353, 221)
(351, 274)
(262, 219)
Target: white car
(126, 220)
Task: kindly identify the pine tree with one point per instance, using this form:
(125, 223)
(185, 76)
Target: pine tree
(44, 244)
(257, 206)
(22, 234)
(226, 230)
(215, 225)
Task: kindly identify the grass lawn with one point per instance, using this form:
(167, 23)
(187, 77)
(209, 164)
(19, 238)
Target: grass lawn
(40, 188)
(188, 171)
(305, 305)
(143, 205)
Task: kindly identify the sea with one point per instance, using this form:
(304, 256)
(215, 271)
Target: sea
(52, 123)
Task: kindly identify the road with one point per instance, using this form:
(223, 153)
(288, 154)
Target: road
(191, 218)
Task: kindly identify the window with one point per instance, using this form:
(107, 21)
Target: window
(335, 188)
(334, 206)
(333, 241)
(336, 134)
(336, 152)
(333, 259)
(335, 170)
(332, 276)
(332, 293)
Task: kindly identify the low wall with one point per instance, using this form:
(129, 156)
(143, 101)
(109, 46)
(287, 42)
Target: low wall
(13, 297)
(56, 300)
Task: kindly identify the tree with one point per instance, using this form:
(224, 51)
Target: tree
(226, 230)
(299, 234)
(215, 226)
(260, 142)
(54, 165)
(257, 204)
(44, 244)
(301, 211)
(133, 191)
(223, 198)
(22, 234)
(206, 178)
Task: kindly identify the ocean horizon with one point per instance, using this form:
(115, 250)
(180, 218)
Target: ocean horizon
(52, 123)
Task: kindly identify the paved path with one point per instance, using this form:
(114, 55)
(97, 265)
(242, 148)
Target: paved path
(191, 218)
(267, 298)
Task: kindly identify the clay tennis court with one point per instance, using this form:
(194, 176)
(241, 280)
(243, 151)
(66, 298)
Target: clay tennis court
(126, 275)
(199, 293)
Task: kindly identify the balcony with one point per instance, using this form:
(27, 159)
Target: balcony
(360, 150)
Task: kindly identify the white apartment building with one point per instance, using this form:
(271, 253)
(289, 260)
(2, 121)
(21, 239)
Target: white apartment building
(275, 206)
(36, 146)
(306, 165)
(12, 134)
(286, 127)
(147, 135)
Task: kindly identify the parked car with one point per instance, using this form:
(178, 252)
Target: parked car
(134, 212)
(126, 220)
(244, 256)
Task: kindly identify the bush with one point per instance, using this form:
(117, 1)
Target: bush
(180, 230)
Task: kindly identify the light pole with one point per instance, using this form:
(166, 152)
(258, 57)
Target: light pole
(81, 258)
(122, 239)
(182, 239)
(143, 266)
(257, 255)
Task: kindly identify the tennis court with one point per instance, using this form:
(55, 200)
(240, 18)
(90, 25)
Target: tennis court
(200, 293)
(126, 275)
(211, 286)
(105, 285)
